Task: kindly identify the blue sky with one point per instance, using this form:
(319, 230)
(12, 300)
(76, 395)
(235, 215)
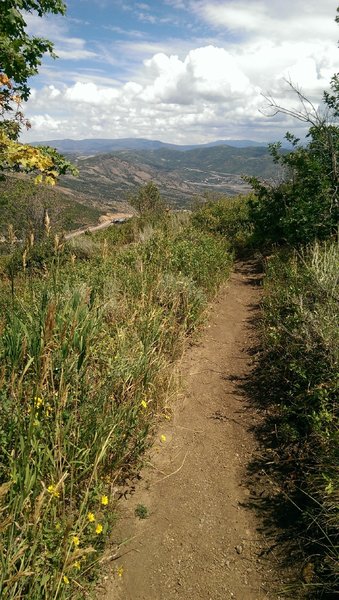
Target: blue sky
(182, 71)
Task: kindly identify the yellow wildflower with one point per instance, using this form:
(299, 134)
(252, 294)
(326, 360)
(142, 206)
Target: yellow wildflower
(143, 404)
(163, 438)
(77, 565)
(66, 580)
(48, 410)
(91, 517)
(58, 526)
(104, 500)
(120, 571)
(38, 401)
(98, 528)
(75, 540)
(52, 489)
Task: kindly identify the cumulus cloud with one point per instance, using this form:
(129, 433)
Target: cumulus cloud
(209, 74)
(209, 90)
(45, 122)
(90, 93)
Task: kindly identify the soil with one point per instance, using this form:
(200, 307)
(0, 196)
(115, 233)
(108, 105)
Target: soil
(200, 540)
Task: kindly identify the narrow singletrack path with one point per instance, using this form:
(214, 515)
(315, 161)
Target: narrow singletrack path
(200, 540)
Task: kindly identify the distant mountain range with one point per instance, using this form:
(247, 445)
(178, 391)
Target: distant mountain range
(101, 146)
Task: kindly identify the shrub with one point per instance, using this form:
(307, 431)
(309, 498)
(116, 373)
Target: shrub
(228, 217)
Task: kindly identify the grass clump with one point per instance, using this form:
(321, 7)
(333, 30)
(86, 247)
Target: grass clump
(141, 511)
(89, 337)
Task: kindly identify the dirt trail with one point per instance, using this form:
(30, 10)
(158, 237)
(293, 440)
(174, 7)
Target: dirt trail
(200, 542)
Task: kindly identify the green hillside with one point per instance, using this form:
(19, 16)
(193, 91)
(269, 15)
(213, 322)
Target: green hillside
(224, 159)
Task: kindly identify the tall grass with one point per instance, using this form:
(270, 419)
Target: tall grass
(299, 377)
(89, 337)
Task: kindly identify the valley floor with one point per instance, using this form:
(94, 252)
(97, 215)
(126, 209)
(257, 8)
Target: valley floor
(200, 540)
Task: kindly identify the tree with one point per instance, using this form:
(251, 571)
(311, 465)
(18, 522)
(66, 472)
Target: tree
(305, 206)
(21, 54)
(20, 58)
(148, 200)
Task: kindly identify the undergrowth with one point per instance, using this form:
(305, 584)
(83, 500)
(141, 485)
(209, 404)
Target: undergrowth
(89, 335)
(298, 385)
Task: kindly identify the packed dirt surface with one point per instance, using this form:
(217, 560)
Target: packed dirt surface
(105, 221)
(199, 540)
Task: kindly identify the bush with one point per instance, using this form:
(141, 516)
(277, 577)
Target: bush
(228, 217)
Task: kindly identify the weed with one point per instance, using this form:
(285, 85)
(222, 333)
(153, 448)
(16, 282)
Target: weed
(141, 511)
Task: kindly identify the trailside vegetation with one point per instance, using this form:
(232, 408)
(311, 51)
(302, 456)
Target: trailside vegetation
(90, 331)
(297, 384)
(148, 201)
(296, 224)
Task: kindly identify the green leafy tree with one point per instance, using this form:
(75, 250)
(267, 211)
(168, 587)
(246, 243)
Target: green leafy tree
(21, 54)
(20, 58)
(305, 206)
(148, 200)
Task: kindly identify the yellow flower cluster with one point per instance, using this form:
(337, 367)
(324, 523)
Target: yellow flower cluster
(40, 403)
(53, 490)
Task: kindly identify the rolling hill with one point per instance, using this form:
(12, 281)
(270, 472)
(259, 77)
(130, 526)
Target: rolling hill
(181, 175)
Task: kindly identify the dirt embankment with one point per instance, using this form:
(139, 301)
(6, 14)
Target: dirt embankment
(199, 540)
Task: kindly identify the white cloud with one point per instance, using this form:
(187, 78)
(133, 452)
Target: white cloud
(291, 19)
(56, 30)
(45, 122)
(90, 93)
(209, 74)
(73, 49)
(194, 92)
(146, 18)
